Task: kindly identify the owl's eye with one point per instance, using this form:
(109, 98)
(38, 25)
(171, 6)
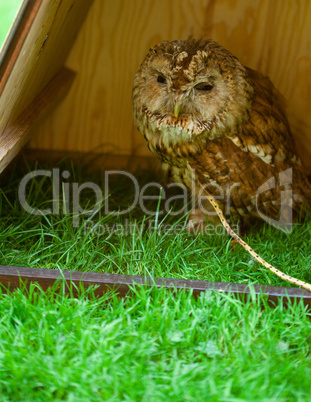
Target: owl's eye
(161, 79)
(203, 86)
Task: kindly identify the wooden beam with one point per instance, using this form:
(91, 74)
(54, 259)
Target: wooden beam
(16, 38)
(13, 277)
(19, 132)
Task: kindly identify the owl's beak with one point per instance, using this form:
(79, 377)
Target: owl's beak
(177, 108)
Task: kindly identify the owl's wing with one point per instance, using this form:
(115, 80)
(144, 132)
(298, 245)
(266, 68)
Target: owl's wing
(234, 176)
(248, 185)
(267, 133)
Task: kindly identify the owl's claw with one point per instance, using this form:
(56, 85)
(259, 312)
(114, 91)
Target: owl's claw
(198, 221)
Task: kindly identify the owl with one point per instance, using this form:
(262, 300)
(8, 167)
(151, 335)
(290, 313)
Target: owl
(220, 128)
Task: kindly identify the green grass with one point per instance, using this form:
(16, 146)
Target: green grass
(152, 345)
(8, 11)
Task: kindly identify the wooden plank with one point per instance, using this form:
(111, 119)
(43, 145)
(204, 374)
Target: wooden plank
(19, 132)
(41, 56)
(16, 38)
(12, 277)
(271, 36)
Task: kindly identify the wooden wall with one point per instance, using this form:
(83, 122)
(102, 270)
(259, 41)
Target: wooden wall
(273, 36)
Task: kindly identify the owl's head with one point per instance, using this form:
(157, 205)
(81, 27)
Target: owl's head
(193, 87)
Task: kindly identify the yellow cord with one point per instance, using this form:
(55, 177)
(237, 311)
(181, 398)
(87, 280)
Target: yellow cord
(277, 272)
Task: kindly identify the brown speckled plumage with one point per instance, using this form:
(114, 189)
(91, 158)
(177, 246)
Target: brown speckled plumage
(201, 110)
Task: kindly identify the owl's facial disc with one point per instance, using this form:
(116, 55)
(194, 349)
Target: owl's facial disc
(180, 103)
(183, 98)
(191, 88)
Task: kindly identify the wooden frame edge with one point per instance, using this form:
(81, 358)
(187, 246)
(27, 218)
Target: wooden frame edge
(16, 38)
(12, 277)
